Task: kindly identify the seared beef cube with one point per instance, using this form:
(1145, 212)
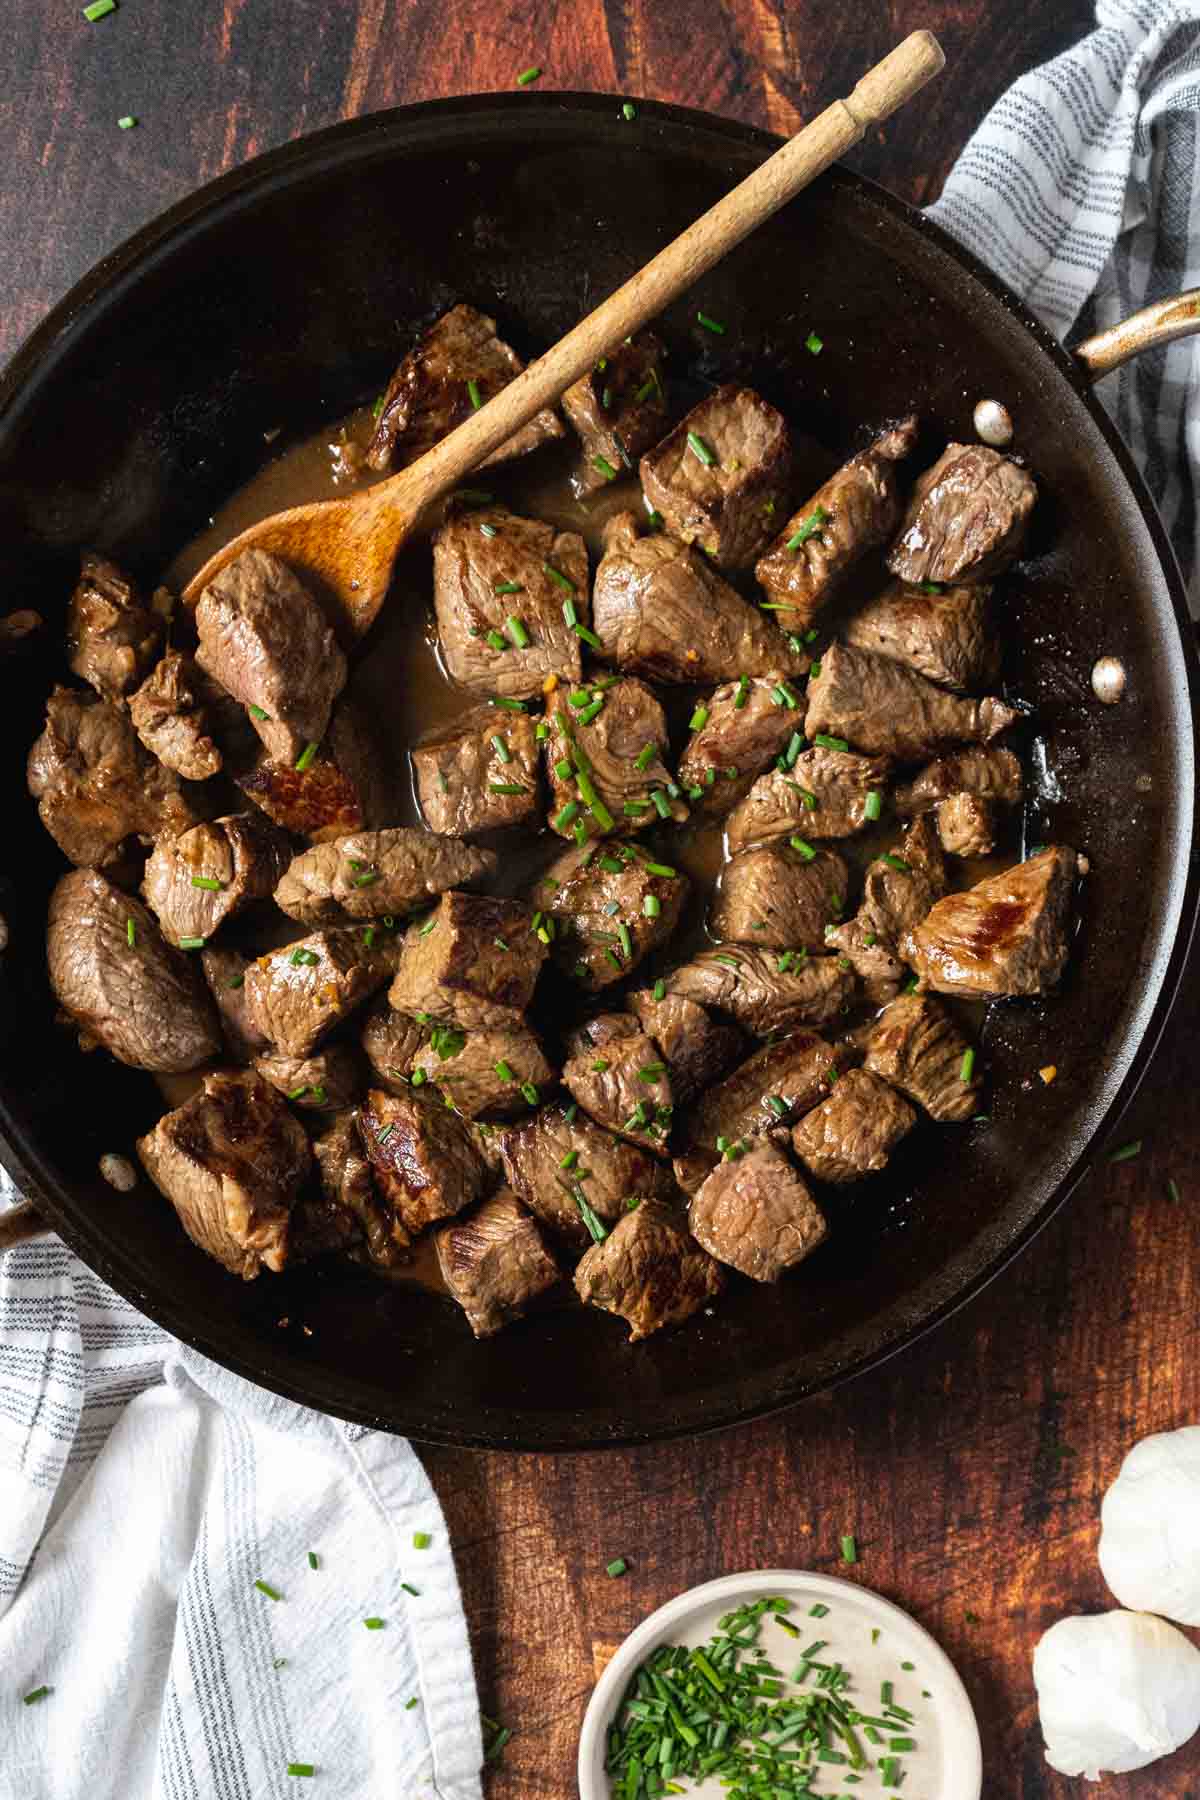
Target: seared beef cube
(966, 825)
(765, 991)
(225, 973)
(696, 1048)
(604, 758)
(722, 475)
(390, 1040)
(123, 987)
(917, 1047)
(344, 788)
(425, 1164)
(856, 510)
(742, 728)
(349, 1196)
(594, 1033)
(431, 391)
(589, 894)
(619, 409)
(559, 1155)
(473, 963)
(232, 1161)
(485, 1136)
(371, 874)
(503, 590)
(881, 706)
(775, 1086)
(196, 881)
(1007, 935)
(853, 1133)
(495, 1262)
(757, 1214)
(626, 1086)
(942, 633)
(873, 959)
(478, 774)
(169, 716)
(662, 611)
(649, 1271)
(898, 890)
(992, 774)
(112, 636)
(326, 1081)
(966, 519)
(825, 794)
(95, 785)
(778, 896)
(265, 639)
(486, 1074)
(298, 994)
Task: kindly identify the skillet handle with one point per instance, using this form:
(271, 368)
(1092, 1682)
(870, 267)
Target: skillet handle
(1161, 323)
(21, 1223)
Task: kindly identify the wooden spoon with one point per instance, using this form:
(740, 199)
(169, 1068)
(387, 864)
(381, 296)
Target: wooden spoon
(347, 546)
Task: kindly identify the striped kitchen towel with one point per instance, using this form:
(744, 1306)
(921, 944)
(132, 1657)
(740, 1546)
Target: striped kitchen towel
(1082, 189)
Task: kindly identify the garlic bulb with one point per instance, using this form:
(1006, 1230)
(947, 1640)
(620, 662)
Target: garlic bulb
(1115, 1692)
(1150, 1527)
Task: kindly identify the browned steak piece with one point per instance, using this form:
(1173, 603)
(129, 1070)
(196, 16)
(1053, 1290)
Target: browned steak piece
(966, 519)
(326, 1081)
(495, 1262)
(169, 716)
(344, 788)
(558, 1155)
(603, 1029)
(619, 409)
(696, 1048)
(479, 773)
(265, 639)
(604, 759)
(485, 1074)
(370, 874)
(589, 894)
(722, 475)
(298, 994)
(473, 963)
(455, 366)
(626, 1086)
(779, 897)
(425, 1164)
(391, 1040)
(873, 959)
(856, 510)
(898, 890)
(966, 825)
(121, 984)
(500, 585)
(942, 633)
(742, 728)
(348, 1189)
(661, 610)
(232, 1161)
(916, 1046)
(766, 991)
(112, 636)
(225, 973)
(195, 881)
(757, 1214)
(825, 794)
(95, 785)
(649, 1271)
(1007, 935)
(853, 1132)
(882, 707)
(771, 1089)
(992, 774)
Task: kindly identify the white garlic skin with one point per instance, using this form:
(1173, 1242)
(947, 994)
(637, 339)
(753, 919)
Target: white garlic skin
(1150, 1527)
(1115, 1691)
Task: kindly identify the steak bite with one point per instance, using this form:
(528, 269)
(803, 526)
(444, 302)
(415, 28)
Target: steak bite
(425, 1163)
(588, 894)
(455, 366)
(626, 1086)
(344, 788)
(722, 475)
(853, 1133)
(942, 634)
(696, 1048)
(326, 1081)
(113, 638)
(195, 881)
(371, 874)
(882, 707)
(265, 639)
(1005, 936)
(779, 896)
(619, 409)
(648, 1271)
(604, 1028)
(743, 728)
(485, 1074)
(118, 981)
(898, 890)
(558, 1155)
(856, 510)
(232, 1161)
(390, 1040)
(966, 825)
(473, 963)
(916, 1046)
(764, 991)
(95, 785)
(169, 716)
(757, 1214)
(348, 1187)
(661, 610)
(508, 593)
(604, 759)
(298, 994)
(225, 973)
(767, 1092)
(967, 517)
(824, 794)
(991, 773)
(479, 773)
(495, 1262)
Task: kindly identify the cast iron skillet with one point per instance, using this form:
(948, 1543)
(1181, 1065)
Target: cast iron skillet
(284, 293)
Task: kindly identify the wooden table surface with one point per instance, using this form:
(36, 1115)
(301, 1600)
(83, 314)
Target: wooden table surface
(970, 1469)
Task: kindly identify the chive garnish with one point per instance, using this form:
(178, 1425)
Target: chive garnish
(874, 806)
(702, 451)
(504, 1070)
(652, 906)
(813, 344)
(567, 816)
(596, 1228)
(563, 581)
(509, 587)
(131, 932)
(373, 1624)
(849, 1548)
(645, 757)
(803, 848)
(314, 1561)
(126, 122)
(304, 760)
(208, 882)
(629, 110)
(530, 1093)
(301, 1769)
(699, 718)
(38, 1693)
(301, 957)
(501, 748)
(616, 1567)
(1127, 1152)
(604, 466)
(541, 731)
(476, 399)
(494, 640)
(527, 75)
(507, 705)
(807, 527)
(626, 938)
(588, 637)
(198, 943)
(967, 1066)
(710, 324)
(896, 862)
(415, 1592)
(663, 869)
(256, 712)
(99, 9)
(517, 631)
(830, 743)
(264, 1587)
(507, 787)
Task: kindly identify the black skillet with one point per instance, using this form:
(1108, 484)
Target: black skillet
(282, 295)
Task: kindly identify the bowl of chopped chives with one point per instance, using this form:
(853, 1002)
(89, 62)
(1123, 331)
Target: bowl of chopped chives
(784, 1684)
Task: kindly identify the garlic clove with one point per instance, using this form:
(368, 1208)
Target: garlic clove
(1115, 1692)
(1150, 1527)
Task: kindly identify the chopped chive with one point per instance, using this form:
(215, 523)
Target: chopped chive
(597, 1230)
(409, 1704)
(813, 344)
(702, 451)
(517, 631)
(652, 1073)
(896, 862)
(626, 938)
(302, 958)
(803, 848)
(504, 787)
(301, 1769)
(208, 882)
(874, 806)
(818, 1611)
(604, 466)
(663, 869)
(567, 816)
(415, 1592)
(588, 637)
(495, 641)
(616, 1567)
(500, 746)
(530, 1093)
(813, 523)
(541, 731)
(645, 757)
(99, 9)
(699, 718)
(314, 1561)
(662, 805)
(1127, 1152)
(967, 1066)
(476, 399)
(849, 1548)
(563, 581)
(507, 705)
(509, 587)
(305, 758)
(710, 324)
(930, 587)
(528, 75)
(264, 1587)
(373, 1624)
(487, 530)
(632, 808)
(38, 1693)
(131, 932)
(592, 711)
(127, 122)
(256, 712)
(830, 743)
(629, 110)
(198, 943)
(652, 906)
(743, 692)
(1172, 1191)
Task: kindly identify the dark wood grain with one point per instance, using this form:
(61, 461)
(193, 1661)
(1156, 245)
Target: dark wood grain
(971, 1469)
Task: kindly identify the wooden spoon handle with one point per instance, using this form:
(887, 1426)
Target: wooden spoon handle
(880, 93)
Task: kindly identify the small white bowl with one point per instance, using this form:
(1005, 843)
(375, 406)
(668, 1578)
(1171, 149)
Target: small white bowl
(948, 1762)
